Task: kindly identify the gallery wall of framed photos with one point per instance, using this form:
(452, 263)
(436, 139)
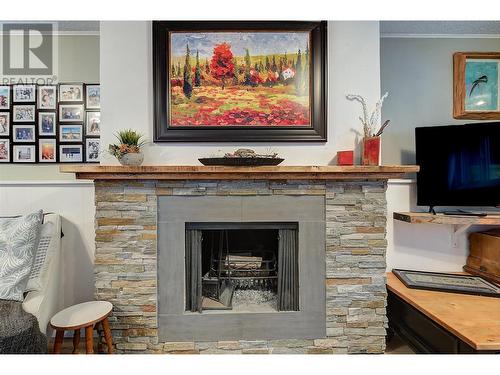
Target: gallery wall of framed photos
(50, 123)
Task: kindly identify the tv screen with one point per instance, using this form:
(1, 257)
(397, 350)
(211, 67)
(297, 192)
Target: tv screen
(459, 165)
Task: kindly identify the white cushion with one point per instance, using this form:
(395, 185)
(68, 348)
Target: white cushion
(44, 254)
(18, 241)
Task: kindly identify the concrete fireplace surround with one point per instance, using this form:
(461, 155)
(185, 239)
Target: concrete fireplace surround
(129, 258)
(174, 211)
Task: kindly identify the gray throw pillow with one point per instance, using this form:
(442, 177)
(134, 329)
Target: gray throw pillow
(18, 243)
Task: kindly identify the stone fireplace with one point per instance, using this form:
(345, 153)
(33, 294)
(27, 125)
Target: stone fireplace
(157, 231)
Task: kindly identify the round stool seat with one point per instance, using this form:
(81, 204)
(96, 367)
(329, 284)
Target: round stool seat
(81, 315)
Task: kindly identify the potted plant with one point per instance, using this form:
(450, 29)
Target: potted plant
(128, 150)
(370, 154)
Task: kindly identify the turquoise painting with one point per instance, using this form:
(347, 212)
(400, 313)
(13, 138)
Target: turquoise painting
(481, 84)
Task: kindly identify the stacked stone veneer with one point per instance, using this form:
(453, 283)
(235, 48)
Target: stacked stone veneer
(126, 269)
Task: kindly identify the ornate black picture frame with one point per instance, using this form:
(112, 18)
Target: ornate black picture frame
(166, 77)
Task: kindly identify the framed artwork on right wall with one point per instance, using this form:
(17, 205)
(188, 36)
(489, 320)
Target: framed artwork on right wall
(476, 92)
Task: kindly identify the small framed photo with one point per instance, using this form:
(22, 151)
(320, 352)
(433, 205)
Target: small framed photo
(92, 147)
(23, 113)
(70, 133)
(93, 96)
(24, 153)
(70, 153)
(4, 124)
(46, 123)
(71, 112)
(47, 97)
(4, 97)
(93, 123)
(24, 93)
(24, 133)
(47, 150)
(71, 92)
(4, 151)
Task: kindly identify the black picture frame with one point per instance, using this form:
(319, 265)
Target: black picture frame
(8, 139)
(317, 132)
(486, 289)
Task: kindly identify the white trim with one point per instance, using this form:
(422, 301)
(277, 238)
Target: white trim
(439, 36)
(47, 183)
(402, 181)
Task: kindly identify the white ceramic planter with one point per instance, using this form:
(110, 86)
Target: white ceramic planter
(132, 159)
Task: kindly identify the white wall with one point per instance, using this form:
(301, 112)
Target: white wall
(126, 51)
(78, 61)
(418, 74)
(74, 201)
(420, 246)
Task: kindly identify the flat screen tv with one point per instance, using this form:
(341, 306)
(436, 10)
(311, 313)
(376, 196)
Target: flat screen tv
(459, 165)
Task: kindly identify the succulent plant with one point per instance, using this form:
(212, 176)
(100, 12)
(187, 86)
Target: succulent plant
(129, 143)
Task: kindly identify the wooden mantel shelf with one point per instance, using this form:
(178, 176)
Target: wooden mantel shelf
(156, 172)
(428, 218)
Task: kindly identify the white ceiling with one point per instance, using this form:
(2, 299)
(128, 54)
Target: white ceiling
(68, 26)
(440, 27)
(386, 27)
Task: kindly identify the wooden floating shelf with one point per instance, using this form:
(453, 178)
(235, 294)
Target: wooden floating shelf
(428, 218)
(156, 172)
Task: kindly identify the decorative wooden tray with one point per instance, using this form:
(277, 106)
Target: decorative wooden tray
(239, 161)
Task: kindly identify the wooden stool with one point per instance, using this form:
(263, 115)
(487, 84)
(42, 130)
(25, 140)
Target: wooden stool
(88, 315)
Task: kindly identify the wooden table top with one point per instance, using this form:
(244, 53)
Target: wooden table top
(199, 172)
(473, 319)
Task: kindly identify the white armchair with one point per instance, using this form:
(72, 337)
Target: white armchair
(45, 303)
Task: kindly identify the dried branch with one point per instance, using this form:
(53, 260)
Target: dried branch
(364, 119)
(369, 124)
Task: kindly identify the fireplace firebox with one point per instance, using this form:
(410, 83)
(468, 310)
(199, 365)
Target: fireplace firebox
(249, 267)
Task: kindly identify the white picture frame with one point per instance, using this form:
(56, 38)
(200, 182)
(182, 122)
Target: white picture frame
(93, 96)
(93, 123)
(71, 113)
(47, 123)
(4, 150)
(4, 124)
(70, 154)
(23, 133)
(24, 93)
(47, 97)
(92, 150)
(47, 150)
(4, 97)
(23, 153)
(70, 92)
(23, 113)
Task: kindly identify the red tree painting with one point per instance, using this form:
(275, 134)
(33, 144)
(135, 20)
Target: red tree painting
(239, 79)
(221, 66)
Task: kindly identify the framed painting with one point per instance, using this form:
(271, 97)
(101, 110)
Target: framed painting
(476, 85)
(225, 81)
(447, 282)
